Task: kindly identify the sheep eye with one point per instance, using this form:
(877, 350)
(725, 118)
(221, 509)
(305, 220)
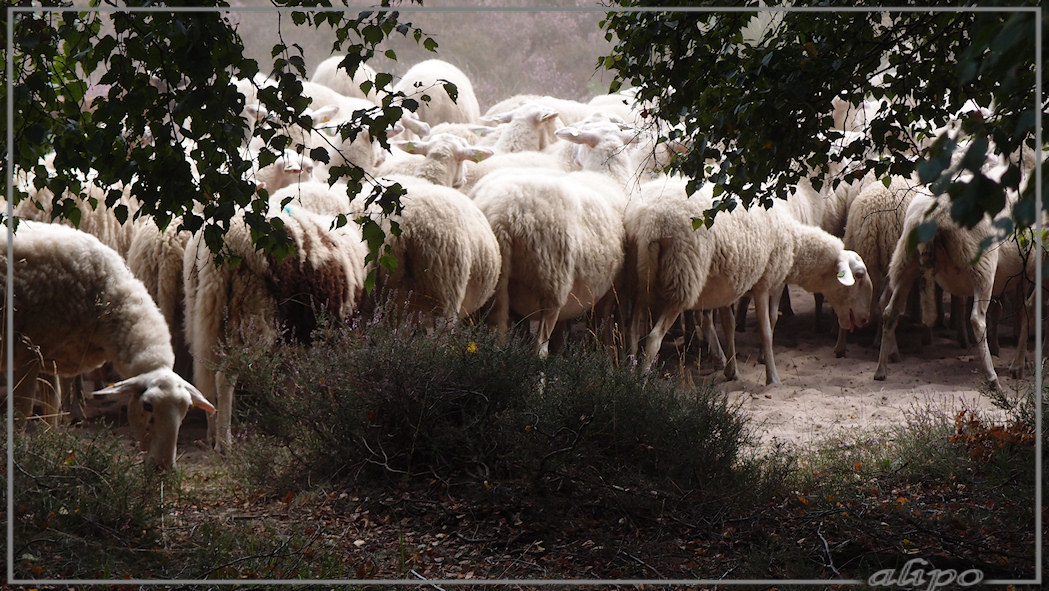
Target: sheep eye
(147, 406)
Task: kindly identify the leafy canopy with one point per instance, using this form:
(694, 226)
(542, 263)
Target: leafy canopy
(753, 92)
(134, 96)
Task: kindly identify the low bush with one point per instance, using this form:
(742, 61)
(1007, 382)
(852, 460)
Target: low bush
(388, 400)
(84, 506)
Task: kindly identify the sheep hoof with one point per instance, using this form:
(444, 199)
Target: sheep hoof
(879, 375)
(1016, 372)
(839, 353)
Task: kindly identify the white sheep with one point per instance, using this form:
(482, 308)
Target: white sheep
(155, 258)
(679, 268)
(78, 306)
(260, 299)
(561, 235)
(475, 171)
(447, 254)
(99, 220)
(950, 257)
(569, 111)
(529, 127)
(427, 78)
(331, 75)
(561, 242)
(287, 169)
(440, 159)
(873, 226)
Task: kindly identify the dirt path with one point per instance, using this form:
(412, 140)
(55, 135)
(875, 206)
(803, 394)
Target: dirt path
(822, 394)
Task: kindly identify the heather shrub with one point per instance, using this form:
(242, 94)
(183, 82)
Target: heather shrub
(386, 400)
(84, 506)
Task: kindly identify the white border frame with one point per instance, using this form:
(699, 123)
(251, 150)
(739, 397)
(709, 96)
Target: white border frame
(12, 12)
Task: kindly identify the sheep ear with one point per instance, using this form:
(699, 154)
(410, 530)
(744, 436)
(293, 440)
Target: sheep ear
(481, 130)
(545, 115)
(578, 136)
(257, 112)
(416, 126)
(197, 399)
(128, 387)
(500, 118)
(413, 147)
(475, 154)
(324, 114)
(845, 276)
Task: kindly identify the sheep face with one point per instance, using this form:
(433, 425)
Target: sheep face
(849, 290)
(157, 403)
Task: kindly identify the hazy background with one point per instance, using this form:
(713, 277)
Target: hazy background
(526, 47)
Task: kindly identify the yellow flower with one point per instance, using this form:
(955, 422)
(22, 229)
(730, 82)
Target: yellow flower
(472, 347)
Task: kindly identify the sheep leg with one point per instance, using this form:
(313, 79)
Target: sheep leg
(659, 330)
(711, 336)
(728, 326)
(994, 318)
(959, 306)
(775, 295)
(204, 379)
(840, 345)
(784, 303)
(817, 324)
(741, 313)
(891, 317)
(224, 413)
(499, 316)
(1023, 319)
(49, 394)
(978, 320)
(762, 307)
(639, 312)
(547, 322)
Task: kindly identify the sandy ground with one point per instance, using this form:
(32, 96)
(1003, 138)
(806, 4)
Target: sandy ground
(821, 395)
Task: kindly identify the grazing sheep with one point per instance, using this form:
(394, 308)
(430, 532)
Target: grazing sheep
(440, 159)
(873, 226)
(447, 255)
(561, 242)
(155, 259)
(331, 75)
(949, 258)
(679, 268)
(78, 306)
(428, 78)
(475, 171)
(569, 111)
(529, 127)
(100, 220)
(261, 299)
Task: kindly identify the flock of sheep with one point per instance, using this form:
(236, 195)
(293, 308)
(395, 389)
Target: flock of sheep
(541, 210)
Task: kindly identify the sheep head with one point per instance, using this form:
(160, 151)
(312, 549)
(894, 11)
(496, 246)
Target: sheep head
(157, 402)
(851, 291)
